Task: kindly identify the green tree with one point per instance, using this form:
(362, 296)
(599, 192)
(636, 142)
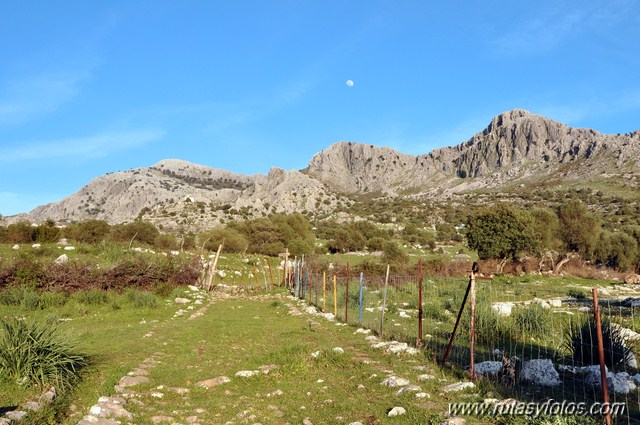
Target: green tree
(579, 228)
(21, 232)
(617, 250)
(546, 228)
(140, 231)
(234, 241)
(392, 253)
(89, 231)
(500, 231)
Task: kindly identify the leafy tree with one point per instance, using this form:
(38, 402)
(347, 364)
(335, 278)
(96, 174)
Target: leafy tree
(140, 231)
(578, 227)
(617, 250)
(234, 241)
(393, 253)
(21, 232)
(546, 228)
(446, 232)
(376, 244)
(500, 231)
(89, 231)
(3, 235)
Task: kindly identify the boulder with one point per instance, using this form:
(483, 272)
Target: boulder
(394, 381)
(62, 259)
(397, 411)
(488, 368)
(540, 372)
(632, 279)
(214, 382)
(502, 308)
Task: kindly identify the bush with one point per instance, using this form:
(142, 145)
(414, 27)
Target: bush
(33, 353)
(581, 340)
(142, 299)
(89, 231)
(92, 297)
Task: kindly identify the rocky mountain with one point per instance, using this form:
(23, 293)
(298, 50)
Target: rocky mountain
(517, 149)
(517, 146)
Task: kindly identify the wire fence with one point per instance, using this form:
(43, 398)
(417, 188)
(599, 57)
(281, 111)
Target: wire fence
(535, 339)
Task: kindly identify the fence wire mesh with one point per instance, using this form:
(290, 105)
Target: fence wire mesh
(535, 339)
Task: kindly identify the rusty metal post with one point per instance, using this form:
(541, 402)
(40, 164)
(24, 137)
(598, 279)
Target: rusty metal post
(455, 328)
(335, 297)
(472, 326)
(603, 369)
(420, 342)
(346, 302)
(384, 301)
(310, 285)
(324, 291)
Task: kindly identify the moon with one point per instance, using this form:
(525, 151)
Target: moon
(349, 83)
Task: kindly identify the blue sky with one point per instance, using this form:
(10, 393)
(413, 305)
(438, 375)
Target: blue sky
(90, 87)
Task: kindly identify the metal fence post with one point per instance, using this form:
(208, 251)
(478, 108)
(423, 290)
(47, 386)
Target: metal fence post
(603, 370)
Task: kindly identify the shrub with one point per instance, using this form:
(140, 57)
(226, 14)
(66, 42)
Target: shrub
(142, 299)
(34, 353)
(582, 342)
(92, 297)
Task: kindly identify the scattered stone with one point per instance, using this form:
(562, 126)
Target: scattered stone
(423, 395)
(36, 245)
(425, 377)
(130, 381)
(160, 419)
(632, 279)
(503, 308)
(16, 415)
(69, 248)
(458, 386)
(15, 247)
(394, 381)
(315, 354)
(362, 331)
(32, 406)
(540, 372)
(454, 421)
(210, 383)
(62, 259)
(408, 388)
(338, 350)
(247, 373)
(396, 411)
(488, 368)
(182, 300)
(307, 421)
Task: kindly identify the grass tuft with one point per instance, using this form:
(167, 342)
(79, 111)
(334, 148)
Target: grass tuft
(34, 353)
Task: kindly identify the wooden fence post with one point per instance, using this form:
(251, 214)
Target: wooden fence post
(324, 291)
(361, 281)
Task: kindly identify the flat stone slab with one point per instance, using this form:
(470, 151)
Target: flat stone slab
(458, 386)
(92, 420)
(130, 381)
(214, 382)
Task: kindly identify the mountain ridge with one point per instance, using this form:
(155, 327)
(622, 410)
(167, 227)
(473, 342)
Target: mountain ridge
(516, 147)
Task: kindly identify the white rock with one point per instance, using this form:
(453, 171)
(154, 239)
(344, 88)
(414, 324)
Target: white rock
(458, 386)
(311, 310)
(488, 368)
(315, 354)
(15, 247)
(174, 253)
(503, 308)
(194, 288)
(247, 373)
(69, 248)
(36, 245)
(62, 259)
(394, 381)
(221, 273)
(182, 300)
(362, 331)
(338, 350)
(423, 395)
(540, 372)
(409, 388)
(425, 377)
(396, 411)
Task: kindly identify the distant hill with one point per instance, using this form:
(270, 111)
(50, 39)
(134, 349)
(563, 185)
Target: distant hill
(518, 149)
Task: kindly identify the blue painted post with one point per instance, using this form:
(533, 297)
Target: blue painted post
(360, 297)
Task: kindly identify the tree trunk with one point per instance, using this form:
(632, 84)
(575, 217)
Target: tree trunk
(561, 263)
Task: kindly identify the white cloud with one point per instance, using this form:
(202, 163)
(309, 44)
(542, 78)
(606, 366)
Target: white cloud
(89, 147)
